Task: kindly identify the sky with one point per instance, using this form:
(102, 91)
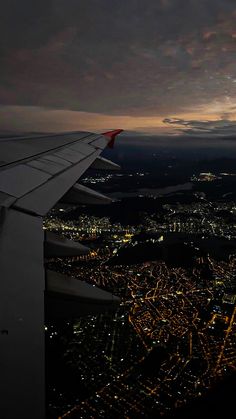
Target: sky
(159, 67)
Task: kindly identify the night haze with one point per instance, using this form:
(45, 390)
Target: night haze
(117, 255)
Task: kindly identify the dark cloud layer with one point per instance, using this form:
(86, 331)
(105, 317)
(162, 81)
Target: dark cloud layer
(130, 57)
(221, 128)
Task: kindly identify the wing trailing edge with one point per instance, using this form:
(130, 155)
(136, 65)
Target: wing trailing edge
(70, 297)
(104, 164)
(57, 246)
(80, 194)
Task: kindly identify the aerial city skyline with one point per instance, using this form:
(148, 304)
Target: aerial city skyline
(166, 247)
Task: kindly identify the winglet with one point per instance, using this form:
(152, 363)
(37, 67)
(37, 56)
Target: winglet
(111, 135)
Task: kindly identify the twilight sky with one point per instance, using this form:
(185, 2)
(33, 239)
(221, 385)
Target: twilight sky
(156, 66)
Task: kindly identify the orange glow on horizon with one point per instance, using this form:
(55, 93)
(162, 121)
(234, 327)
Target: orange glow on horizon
(36, 119)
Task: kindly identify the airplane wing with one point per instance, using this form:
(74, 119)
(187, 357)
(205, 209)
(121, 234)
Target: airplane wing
(35, 173)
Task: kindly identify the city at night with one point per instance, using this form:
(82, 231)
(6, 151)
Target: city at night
(173, 264)
(117, 209)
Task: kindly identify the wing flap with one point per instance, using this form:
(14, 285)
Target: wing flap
(70, 155)
(80, 194)
(99, 143)
(46, 166)
(57, 246)
(55, 159)
(43, 198)
(85, 149)
(21, 179)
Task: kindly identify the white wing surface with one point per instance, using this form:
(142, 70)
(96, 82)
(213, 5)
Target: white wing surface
(35, 173)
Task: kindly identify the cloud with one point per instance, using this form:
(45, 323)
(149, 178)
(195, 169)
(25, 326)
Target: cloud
(39, 119)
(206, 129)
(119, 57)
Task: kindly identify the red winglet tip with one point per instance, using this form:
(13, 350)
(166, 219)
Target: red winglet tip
(111, 135)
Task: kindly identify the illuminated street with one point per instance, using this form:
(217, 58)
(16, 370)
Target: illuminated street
(174, 335)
